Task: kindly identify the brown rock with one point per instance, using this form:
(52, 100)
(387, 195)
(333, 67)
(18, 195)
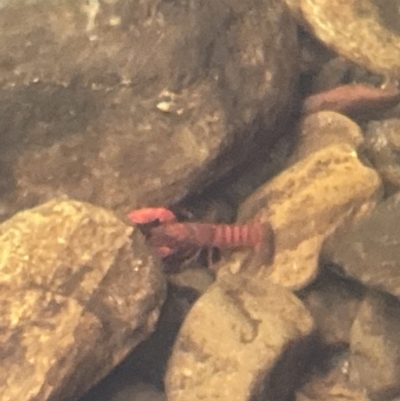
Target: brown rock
(363, 31)
(75, 299)
(124, 389)
(308, 202)
(295, 8)
(322, 129)
(237, 342)
(382, 143)
(375, 346)
(127, 104)
(331, 386)
(333, 303)
(369, 251)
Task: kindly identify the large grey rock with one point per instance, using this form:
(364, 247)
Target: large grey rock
(128, 103)
(75, 299)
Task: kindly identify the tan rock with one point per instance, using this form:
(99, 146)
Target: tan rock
(75, 299)
(308, 202)
(357, 31)
(232, 340)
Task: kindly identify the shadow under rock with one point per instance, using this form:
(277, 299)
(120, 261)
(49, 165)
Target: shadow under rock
(140, 377)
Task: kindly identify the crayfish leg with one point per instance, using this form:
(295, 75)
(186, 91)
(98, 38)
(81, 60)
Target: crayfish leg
(163, 251)
(264, 250)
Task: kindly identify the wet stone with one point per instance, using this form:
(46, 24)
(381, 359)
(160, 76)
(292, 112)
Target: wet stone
(305, 204)
(337, 71)
(382, 143)
(364, 31)
(333, 303)
(295, 9)
(370, 250)
(333, 385)
(144, 117)
(122, 387)
(374, 362)
(237, 342)
(78, 293)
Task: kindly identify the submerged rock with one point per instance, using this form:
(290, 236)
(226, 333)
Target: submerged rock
(374, 362)
(364, 31)
(307, 203)
(237, 342)
(370, 251)
(128, 103)
(75, 299)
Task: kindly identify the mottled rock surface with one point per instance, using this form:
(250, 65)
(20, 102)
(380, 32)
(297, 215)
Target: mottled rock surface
(75, 299)
(237, 343)
(374, 362)
(364, 31)
(128, 103)
(308, 202)
(370, 251)
(382, 143)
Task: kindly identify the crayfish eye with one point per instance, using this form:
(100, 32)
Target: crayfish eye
(147, 228)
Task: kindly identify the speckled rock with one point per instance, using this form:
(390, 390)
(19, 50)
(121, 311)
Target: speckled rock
(237, 342)
(374, 362)
(382, 143)
(75, 299)
(126, 103)
(308, 202)
(364, 31)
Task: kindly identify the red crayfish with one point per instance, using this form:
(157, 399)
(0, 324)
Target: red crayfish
(169, 237)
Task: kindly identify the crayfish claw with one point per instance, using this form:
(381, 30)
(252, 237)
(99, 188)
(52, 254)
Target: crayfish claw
(150, 214)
